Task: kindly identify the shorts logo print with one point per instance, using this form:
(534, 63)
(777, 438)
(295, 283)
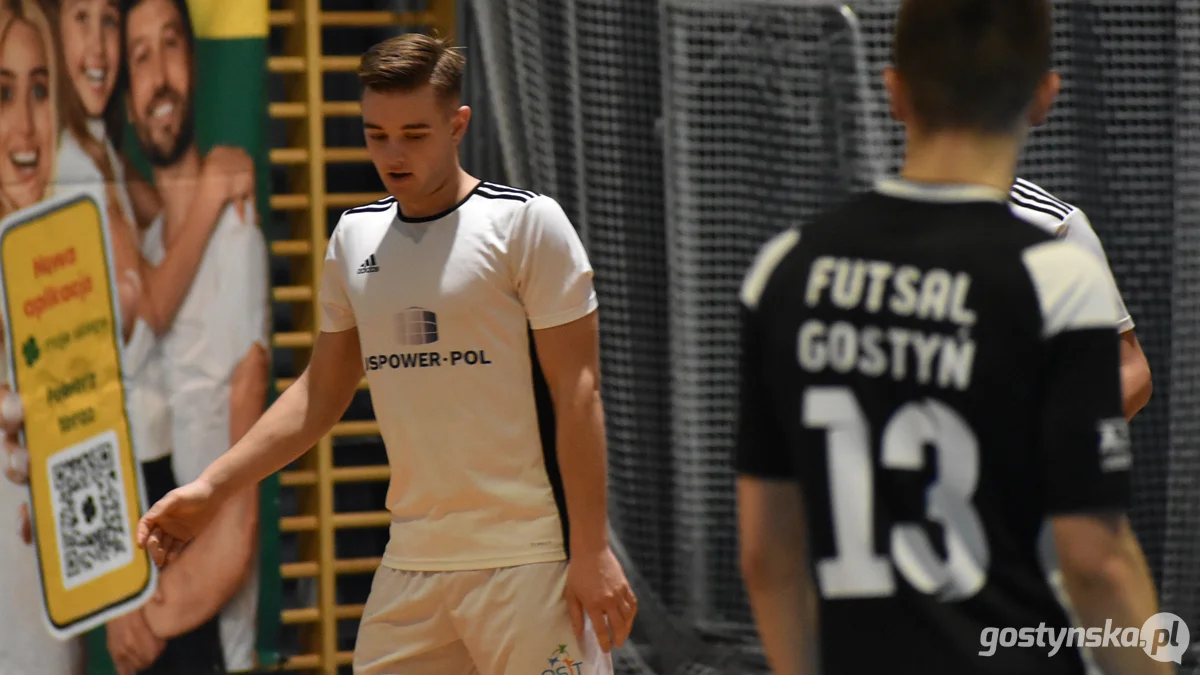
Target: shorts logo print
(561, 663)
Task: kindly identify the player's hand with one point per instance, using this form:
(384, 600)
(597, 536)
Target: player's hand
(131, 643)
(175, 520)
(597, 588)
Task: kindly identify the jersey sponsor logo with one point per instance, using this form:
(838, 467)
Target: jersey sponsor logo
(1164, 637)
(417, 326)
(1116, 452)
(470, 357)
(561, 663)
(368, 265)
(942, 357)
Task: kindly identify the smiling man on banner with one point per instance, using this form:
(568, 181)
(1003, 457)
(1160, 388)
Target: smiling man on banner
(216, 359)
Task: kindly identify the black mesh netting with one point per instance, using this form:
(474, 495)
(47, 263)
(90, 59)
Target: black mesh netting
(681, 134)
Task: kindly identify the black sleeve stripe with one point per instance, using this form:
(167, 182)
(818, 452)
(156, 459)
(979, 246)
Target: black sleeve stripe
(504, 188)
(1032, 201)
(381, 205)
(1042, 192)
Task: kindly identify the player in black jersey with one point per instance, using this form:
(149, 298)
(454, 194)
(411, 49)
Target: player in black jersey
(928, 381)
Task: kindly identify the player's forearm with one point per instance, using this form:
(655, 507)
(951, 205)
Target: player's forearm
(1136, 387)
(583, 463)
(1119, 591)
(298, 419)
(786, 618)
(194, 588)
(248, 392)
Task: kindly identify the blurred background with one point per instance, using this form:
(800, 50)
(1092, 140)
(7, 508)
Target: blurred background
(679, 135)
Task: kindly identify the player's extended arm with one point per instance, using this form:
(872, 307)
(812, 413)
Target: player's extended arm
(569, 358)
(1107, 578)
(197, 585)
(774, 568)
(1136, 383)
(569, 355)
(301, 415)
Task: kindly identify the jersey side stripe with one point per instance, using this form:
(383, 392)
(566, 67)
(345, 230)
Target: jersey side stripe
(1041, 192)
(488, 190)
(1037, 207)
(1018, 192)
(374, 207)
(504, 188)
(369, 210)
(1071, 288)
(515, 198)
(764, 266)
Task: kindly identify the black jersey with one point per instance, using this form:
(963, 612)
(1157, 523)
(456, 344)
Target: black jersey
(941, 377)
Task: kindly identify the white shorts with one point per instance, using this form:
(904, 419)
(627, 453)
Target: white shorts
(509, 621)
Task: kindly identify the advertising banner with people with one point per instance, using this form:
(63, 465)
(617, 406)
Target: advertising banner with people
(142, 122)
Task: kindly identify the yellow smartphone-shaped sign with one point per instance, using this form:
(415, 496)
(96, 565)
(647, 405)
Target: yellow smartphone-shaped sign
(62, 331)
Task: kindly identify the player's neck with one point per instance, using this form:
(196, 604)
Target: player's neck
(455, 188)
(961, 158)
(177, 187)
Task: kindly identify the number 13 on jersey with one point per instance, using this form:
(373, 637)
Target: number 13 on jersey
(857, 569)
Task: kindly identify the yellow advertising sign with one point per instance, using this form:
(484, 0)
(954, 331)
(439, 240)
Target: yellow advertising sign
(229, 19)
(64, 354)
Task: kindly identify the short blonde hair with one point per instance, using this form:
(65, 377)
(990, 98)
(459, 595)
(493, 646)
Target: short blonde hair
(411, 61)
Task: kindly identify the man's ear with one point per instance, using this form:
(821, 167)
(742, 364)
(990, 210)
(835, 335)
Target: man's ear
(898, 100)
(462, 119)
(1043, 99)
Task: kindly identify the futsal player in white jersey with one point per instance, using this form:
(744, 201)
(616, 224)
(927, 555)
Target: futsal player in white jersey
(1036, 205)
(471, 309)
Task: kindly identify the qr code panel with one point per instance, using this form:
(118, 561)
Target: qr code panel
(91, 516)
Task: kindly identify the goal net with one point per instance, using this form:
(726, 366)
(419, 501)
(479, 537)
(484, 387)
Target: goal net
(681, 134)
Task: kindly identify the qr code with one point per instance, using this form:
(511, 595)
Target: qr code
(91, 517)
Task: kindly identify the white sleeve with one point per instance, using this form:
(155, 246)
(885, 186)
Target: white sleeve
(551, 269)
(249, 282)
(337, 314)
(1078, 230)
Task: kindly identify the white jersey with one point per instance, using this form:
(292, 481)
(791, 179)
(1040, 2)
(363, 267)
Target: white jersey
(1035, 205)
(223, 316)
(444, 307)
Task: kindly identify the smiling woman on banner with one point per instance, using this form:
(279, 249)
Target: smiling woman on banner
(28, 127)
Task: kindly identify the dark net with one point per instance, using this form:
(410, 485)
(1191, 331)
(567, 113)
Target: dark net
(681, 134)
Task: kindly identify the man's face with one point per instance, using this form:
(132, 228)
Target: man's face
(412, 138)
(160, 80)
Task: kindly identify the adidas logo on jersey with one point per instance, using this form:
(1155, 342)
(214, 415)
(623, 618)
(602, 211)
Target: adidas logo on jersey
(368, 266)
